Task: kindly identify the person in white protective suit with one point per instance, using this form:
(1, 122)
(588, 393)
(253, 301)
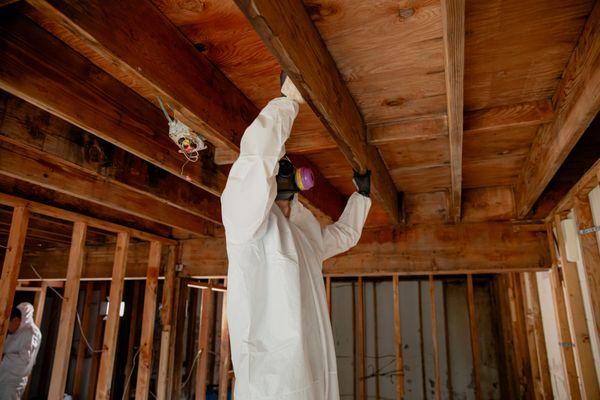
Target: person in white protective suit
(20, 351)
(281, 341)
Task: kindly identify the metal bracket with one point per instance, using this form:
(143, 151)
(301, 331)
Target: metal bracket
(566, 344)
(178, 267)
(589, 230)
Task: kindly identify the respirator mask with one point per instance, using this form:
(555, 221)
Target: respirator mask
(291, 180)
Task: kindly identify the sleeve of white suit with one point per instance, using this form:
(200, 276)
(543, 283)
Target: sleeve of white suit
(251, 186)
(344, 234)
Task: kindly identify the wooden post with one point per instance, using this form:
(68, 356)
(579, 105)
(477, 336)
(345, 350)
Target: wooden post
(98, 335)
(191, 341)
(11, 267)
(360, 341)
(68, 313)
(474, 337)
(535, 318)
(132, 335)
(531, 340)
(166, 317)
(81, 347)
(421, 341)
(447, 342)
(224, 354)
(180, 332)
(328, 293)
(40, 303)
(376, 340)
(206, 331)
(576, 313)
(111, 331)
(398, 341)
(147, 337)
(590, 255)
(562, 321)
(434, 339)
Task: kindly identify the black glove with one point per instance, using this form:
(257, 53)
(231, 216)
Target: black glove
(363, 182)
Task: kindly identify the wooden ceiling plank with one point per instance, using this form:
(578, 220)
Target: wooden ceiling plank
(287, 30)
(453, 19)
(171, 67)
(509, 116)
(408, 130)
(70, 87)
(576, 102)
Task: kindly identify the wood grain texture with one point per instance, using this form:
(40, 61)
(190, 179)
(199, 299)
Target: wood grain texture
(11, 267)
(117, 31)
(474, 337)
(51, 138)
(562, 321)
(576, 101)
(398, 339)
(509, 116)
(224, 353)
(576, 313)
(166, 319)
(68, 311)
(409, 129)
(359, 334)
(453, 20)
(435, 341)
(111, 329)
(144, 373)
(516, 51)
(72, 88)
(313, 70)
(590, 254)
(206, 333)
(34, 168)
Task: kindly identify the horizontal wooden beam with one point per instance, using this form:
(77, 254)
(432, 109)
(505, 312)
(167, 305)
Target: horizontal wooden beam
(419, 250)
(45, 135)
(287, 30)
(168, 65)
(577, 101)
(409, 129)
(202, 96)
(12, 201)
(72, 88)
(28, 192)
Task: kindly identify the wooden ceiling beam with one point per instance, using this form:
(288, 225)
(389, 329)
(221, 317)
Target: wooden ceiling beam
(60, 176)
(50, 138)
(287, 30)
(419, 250)
(167, 64)
(29, 192)
(70, 87)
(576, 102)
(453, 22)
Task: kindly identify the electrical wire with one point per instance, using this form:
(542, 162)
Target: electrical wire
(191, 369)
(128, 380)
(82, 334)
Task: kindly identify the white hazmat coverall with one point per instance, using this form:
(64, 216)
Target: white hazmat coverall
(20, 351)
(281, 342)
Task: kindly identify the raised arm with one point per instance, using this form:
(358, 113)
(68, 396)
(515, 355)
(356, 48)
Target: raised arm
(344, 234)
(251, 187)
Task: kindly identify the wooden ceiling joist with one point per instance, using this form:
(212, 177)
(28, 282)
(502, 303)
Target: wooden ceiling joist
(576, 102)
(453, 21)
(52, 198)
(54, 212)
(135, 37)
(287, 30)
(36, 131)
(39, 170)
(70, 87)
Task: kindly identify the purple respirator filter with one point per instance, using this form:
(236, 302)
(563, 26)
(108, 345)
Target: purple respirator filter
(305, 178)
